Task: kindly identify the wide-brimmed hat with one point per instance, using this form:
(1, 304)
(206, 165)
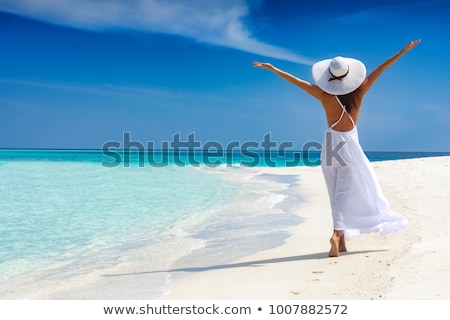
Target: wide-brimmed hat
(339, 75)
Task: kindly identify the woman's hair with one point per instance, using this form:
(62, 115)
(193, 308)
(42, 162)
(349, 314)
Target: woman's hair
(350, 100)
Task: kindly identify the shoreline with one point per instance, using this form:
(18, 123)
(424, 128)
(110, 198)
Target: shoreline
(410, 264)
(245, 224)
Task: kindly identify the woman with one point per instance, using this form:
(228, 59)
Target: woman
(357, 203)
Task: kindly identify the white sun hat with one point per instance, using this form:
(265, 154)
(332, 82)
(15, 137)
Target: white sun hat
(339, 75)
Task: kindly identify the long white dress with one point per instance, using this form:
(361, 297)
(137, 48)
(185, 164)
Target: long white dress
(357, 202)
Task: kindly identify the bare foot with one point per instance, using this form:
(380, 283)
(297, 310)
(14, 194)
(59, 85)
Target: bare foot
(342, 246)
(334, 251)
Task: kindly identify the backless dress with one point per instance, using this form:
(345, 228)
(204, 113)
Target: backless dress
(357, 202)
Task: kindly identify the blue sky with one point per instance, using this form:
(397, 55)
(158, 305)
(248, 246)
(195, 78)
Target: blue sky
(76, 74)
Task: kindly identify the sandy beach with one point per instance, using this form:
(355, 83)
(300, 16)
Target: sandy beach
(411, 264)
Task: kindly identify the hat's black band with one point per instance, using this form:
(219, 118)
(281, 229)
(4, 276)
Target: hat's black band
(333, 77)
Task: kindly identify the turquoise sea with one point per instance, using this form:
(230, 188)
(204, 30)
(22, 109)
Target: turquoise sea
(75, 224)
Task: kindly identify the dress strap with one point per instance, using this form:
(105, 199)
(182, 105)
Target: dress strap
(342, 114)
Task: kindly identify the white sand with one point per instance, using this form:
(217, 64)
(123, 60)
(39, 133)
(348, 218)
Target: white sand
(411, 264)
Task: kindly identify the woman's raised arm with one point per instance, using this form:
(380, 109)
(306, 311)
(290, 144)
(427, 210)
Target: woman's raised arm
(373, 76)
(313, 90)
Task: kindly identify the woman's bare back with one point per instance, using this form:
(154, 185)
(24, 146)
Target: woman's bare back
(333, 112)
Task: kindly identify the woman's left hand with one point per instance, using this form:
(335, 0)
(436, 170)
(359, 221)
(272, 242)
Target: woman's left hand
(411, 45)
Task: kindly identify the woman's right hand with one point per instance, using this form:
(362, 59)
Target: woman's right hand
(263, 65)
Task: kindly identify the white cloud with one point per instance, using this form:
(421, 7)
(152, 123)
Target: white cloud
(97, 89)
(218, 22)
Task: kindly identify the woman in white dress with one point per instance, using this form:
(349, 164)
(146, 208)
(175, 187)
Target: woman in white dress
(357, 202)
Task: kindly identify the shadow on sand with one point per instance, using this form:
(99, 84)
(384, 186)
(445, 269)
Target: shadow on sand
(256, 263)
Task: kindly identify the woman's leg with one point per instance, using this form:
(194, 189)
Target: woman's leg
(337, 242)
(342, 246)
